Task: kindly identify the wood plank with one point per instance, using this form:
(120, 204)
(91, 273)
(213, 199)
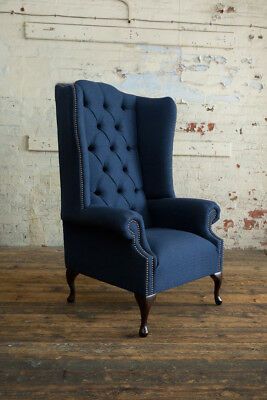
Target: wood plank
(135, 35)
(53, 350)
(42, 143)
(202, 148)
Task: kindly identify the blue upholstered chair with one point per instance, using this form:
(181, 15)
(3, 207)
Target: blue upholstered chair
(122, 223)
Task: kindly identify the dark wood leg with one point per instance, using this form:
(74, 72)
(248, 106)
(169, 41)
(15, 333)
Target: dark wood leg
(144, 303)
(70, 276)
(217, 278)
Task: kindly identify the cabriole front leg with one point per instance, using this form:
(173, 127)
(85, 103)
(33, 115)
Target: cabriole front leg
(144, 303)
(217, 278)
(70, 276)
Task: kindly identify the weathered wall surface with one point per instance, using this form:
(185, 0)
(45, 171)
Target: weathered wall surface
(209, 56)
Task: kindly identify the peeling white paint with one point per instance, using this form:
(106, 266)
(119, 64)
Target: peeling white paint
(217, 59)
(198, 67)
(256, 85)
(220, 91)
(169, 84)
(246, 60)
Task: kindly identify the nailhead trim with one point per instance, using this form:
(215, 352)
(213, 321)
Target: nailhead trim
(142, 254)
(77, 139)
(211, 218)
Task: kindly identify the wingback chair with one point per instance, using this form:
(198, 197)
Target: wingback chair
(121, 220)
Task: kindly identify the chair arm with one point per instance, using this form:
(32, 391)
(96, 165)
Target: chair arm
(126, 223)
(192, 215)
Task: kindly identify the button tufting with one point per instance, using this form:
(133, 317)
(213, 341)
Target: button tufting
(117, 127)
(91, 147)
(112, 147)
(123, 107)
(119, 190)
(128, 148)
(125, 169)
(98, 125)
(105, 168)
(133, 208)
(136, 190)
(97, 192)
(105, 106)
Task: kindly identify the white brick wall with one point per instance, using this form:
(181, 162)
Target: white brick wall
(211, 59)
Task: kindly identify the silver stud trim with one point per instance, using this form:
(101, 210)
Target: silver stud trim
(144, 254)
(77, 139)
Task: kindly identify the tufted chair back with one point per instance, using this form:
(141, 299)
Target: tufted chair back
(113, 136)
(107, 128)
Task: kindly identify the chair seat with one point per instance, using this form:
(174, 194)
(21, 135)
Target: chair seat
(182, 257)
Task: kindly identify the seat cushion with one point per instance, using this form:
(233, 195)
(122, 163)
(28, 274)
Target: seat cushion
(182, 257)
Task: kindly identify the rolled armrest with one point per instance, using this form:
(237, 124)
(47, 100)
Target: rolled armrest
(127, 223)
(192, 215)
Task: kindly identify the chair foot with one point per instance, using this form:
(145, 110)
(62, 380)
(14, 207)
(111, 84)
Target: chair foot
(70, 276)
(144, 303)
(217, 278)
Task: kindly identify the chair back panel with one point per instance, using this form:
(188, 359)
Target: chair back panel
(107, 129)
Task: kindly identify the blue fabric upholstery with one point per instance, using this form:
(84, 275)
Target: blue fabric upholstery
(108, 142)
(191, 215)
(156, 123)
(122, 223)
(182, 257)
(108, 256)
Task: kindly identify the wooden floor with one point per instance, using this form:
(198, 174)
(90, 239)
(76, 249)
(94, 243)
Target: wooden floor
(90, 350)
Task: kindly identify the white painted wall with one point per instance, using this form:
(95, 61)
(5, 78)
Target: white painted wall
(211, 59)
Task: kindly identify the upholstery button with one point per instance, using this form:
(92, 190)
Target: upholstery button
(91, 147)
(125, 169)
(112, 147)
(97, 192)
(98, 125)
(128, 148)
(117, 127)
(105, 106)
(123, 107)
(136, 190)
(105, 168)
(119, 190)
(85, 103)
(133, 208)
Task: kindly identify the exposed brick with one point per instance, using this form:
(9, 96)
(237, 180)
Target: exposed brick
(228, 223)
(250, 224)
(257, 213)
